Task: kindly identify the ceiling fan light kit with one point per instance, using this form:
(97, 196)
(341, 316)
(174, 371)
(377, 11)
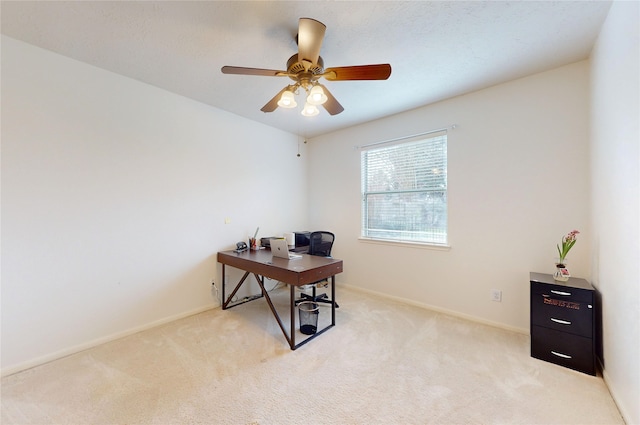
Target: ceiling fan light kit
(310, 110)
(306, 67)
(287, 100)
(316, 96)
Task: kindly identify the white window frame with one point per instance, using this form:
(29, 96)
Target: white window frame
(425, 221)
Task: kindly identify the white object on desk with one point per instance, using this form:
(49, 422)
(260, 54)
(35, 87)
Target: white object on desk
(291, 238)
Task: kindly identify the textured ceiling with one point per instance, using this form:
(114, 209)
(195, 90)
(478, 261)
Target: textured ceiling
(437, 50)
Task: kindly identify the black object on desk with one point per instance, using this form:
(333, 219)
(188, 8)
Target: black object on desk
(563, 327)
(301, 241)
(302, 238)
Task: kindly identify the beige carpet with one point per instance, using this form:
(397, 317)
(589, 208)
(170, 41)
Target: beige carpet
(384, 363)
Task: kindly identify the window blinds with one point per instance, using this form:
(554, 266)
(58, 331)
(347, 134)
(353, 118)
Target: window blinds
(404, 189)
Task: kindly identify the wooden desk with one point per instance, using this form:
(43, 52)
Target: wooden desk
(298, 272)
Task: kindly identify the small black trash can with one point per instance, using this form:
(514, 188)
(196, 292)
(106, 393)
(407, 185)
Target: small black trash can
(309, 312)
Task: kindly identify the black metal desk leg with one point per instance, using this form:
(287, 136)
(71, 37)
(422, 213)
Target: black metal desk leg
(292, 302)
(222, 300)
(225, 304)
(274, 311)
(333, 298)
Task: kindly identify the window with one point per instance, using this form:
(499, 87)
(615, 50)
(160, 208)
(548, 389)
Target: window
(404, 190)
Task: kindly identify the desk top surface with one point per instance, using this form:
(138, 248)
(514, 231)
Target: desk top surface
(299, 271)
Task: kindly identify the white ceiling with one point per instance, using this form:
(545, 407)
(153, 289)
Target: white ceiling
(437, 49)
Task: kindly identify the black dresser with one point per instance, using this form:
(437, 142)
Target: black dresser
(563, 322)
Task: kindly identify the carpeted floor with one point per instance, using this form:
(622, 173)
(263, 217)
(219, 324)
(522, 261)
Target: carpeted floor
(384, 363)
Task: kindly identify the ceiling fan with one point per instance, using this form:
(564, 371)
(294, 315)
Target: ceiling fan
(306, 67)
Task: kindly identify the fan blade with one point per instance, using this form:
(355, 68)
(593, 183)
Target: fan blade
(239, 70)
(310, 36)
(332, 106)
(360, 72)
(273, 103)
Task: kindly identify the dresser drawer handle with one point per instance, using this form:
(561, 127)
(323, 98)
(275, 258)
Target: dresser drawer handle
(562, 322)
(564, 356)
(560, 292)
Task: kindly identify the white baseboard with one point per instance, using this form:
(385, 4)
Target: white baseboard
(438, 309)
(626, 417)
(99, 341)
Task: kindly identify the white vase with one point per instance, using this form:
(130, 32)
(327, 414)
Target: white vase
(562, 272)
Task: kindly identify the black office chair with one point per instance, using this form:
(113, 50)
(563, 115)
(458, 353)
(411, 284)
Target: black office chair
(320, 244)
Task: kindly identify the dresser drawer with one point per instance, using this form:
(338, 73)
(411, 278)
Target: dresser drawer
(562, 292)
(572, 351)
(566, 315)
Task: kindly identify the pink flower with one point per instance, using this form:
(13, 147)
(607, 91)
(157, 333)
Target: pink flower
(567, 243)
(571, 236)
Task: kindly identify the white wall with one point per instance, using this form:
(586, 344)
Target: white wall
(114, 195)
(518, 179)
(616, 201)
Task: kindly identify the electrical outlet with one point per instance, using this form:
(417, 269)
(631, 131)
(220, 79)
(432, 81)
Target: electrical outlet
(496, 295)
(227, 220)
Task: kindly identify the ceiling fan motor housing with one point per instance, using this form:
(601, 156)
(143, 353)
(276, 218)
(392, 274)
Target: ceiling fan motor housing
(296, 69)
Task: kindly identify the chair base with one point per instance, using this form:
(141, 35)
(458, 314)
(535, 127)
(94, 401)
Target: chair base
(322, 298)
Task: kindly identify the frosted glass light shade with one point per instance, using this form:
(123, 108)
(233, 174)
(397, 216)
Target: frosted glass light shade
(316, 96)
(310, 110)
(287, 100)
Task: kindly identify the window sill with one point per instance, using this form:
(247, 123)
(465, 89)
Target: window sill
(406, 244)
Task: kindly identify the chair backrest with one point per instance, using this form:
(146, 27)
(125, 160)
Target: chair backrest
(320, 243)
